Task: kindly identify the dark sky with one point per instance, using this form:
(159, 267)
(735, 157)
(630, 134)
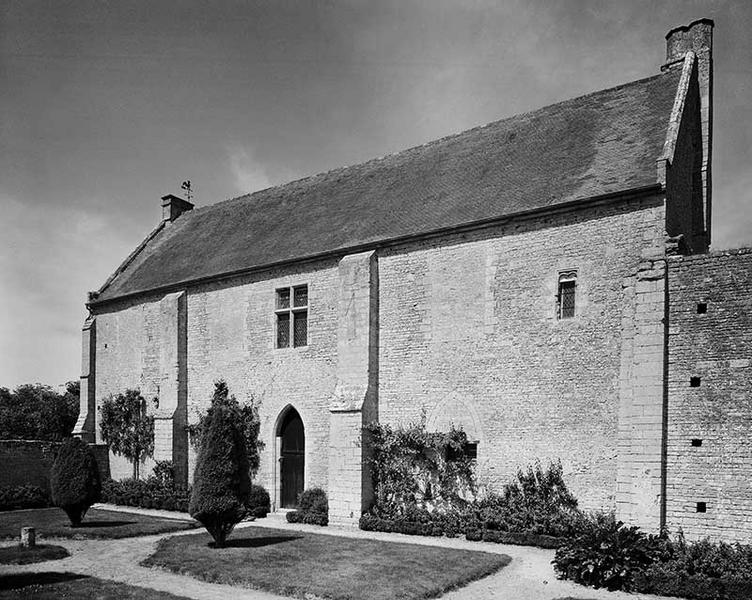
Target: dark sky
(106, 106)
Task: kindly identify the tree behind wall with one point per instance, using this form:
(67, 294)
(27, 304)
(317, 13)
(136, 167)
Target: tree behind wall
(127, 428)
(37, 412)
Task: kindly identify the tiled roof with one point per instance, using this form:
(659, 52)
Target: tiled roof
(597, 144)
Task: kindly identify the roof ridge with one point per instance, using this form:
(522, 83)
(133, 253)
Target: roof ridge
(405, 151)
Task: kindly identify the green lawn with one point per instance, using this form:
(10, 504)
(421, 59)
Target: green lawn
(18, 555)
(296, 563)
(51, 586)
(104, 524)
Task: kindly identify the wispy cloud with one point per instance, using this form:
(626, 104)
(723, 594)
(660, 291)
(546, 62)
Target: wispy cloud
(52, 255)
(248, 173)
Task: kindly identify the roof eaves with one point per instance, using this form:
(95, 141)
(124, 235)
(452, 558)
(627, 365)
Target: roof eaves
(674, 122)
(622, 195)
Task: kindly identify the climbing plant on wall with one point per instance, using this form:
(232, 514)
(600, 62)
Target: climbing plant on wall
(249, 419)
(412, 467)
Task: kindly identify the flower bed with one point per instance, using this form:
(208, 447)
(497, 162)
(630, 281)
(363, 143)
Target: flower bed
(535, 509)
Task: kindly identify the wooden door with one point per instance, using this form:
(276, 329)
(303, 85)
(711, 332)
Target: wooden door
(292, 460)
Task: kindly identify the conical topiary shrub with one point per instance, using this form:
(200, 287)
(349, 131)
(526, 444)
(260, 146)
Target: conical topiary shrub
(221, 483)
(74, 479)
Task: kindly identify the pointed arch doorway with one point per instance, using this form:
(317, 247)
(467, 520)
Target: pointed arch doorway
(291, 458)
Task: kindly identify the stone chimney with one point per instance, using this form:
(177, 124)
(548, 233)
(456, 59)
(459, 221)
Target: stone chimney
(697, 37)
(173, 207)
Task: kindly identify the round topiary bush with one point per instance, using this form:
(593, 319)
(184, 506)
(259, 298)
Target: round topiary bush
(221, 483)
(259, 503)
(74, 479)
(313, 508)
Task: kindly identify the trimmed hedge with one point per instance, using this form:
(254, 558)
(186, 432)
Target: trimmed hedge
(440, 526)
(155, 493)
(312, 509)
(23, 496)
(149, 493)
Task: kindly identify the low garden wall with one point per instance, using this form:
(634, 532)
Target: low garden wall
(28, 462)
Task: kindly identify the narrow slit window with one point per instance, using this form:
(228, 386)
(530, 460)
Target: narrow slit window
(291, 312)
(567, 295)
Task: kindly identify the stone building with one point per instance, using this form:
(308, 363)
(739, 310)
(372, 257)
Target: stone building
(542, 281)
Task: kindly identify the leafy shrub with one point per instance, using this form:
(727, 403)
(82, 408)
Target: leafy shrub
(164, 473)
(608, 554)
(140, 492)
(259, 503)
(37, 412)
(221, 482)
(534, 509)
(249, 419)
(411, 467)
(127, 427)
(23, 496)
(536, 502)
(312, 509)
(74, 479)
(701, 570)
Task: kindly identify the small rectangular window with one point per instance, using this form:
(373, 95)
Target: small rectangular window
(292, 318)
(566, 296)
(702, 507)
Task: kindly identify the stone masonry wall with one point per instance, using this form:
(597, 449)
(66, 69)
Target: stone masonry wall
(231, 329)
(463, 330)
(710, 417)
(127, 357)
(469, 334)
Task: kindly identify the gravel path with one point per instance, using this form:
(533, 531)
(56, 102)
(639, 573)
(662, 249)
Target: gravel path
(529, 576)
